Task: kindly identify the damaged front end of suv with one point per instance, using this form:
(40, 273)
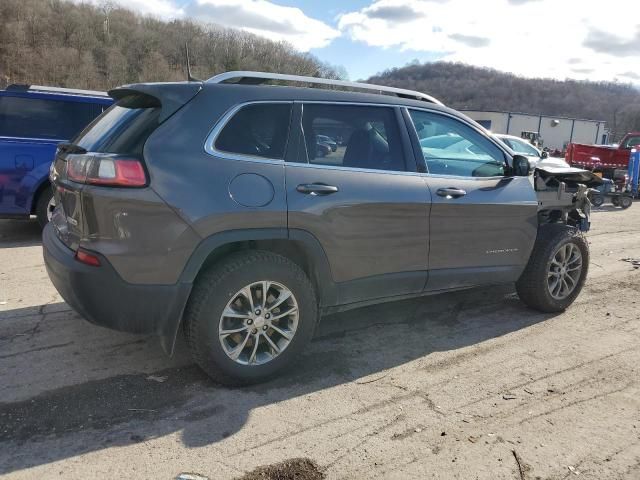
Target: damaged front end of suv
(563, 195)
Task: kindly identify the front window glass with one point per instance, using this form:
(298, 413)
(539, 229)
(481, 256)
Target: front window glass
(453, 148)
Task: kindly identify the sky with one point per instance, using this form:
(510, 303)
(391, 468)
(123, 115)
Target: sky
(579, 39)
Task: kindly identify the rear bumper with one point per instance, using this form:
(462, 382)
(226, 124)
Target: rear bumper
(102, 297)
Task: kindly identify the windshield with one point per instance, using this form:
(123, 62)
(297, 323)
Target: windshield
(631, 142)
(522, 147)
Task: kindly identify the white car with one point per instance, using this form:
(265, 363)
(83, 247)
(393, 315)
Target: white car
(535, 156)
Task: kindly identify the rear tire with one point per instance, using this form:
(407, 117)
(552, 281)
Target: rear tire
(215, 305)
(44, 206)
(625, 202)
(537, 285)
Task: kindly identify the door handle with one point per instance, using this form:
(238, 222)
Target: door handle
(451, 192)
(316, 189)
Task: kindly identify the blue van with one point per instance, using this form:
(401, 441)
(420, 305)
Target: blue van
(33, 120)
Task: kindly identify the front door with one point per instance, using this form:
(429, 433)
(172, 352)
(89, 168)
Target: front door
(483, 223)
(359, 195)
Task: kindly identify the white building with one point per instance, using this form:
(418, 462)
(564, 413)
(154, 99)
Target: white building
(556, 132)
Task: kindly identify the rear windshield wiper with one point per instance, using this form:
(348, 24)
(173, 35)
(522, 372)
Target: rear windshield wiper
(68, 147)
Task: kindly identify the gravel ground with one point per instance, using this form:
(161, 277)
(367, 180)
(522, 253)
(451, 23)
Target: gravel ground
(465, 385)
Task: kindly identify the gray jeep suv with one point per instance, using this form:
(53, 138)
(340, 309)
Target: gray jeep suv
(206, 206)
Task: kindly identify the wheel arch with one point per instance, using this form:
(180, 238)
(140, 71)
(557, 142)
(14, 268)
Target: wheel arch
(532, 284)
(31, 187)
(299, 246)
(38, 190)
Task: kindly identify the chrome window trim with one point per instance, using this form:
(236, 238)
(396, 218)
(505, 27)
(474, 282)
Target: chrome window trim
(462, 177)
(338, 102)
(210, 141)
(352, 169)
(209, 144)
(388, 172)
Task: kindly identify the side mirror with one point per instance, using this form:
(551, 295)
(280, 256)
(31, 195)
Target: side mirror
(544, 155)
(521, 167)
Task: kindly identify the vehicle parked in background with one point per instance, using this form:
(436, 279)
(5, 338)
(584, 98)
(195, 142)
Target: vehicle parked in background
(33, 121)
(322, 149)
(612, 161)
(535, 156)
(205, 205)
(331, 143)
(609, 190)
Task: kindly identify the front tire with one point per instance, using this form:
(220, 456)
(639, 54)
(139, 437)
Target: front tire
(557, 269)
(249, 316)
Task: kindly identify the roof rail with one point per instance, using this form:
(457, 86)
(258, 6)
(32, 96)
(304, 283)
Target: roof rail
(256, 78)
(41, 88)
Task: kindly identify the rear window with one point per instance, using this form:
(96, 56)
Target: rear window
(123, 128)
(40, 118)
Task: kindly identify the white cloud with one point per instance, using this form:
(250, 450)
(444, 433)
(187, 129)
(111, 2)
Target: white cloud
(260, 17)
(266, 19)
(551, 38)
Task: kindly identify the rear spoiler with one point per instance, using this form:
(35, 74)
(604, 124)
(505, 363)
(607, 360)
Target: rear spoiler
(171, 96)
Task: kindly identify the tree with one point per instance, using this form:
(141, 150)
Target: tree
(65, 44)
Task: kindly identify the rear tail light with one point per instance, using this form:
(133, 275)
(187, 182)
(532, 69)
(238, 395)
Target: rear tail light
(107, 171)
(87, 258)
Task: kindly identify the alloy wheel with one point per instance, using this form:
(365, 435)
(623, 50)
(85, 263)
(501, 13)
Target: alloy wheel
(564, 272)
(258, 323)
(51, 206)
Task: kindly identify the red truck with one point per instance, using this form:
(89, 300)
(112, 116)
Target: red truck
(603, 158)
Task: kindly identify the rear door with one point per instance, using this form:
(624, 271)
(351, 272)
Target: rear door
(364, 202)
(483, 222)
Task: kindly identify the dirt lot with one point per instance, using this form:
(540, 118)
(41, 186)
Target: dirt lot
(467, 385)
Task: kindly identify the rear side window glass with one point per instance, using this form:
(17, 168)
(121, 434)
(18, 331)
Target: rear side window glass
(452, 148)
(123, 128)
(259, 130)
(352, 136)
(41, 118)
